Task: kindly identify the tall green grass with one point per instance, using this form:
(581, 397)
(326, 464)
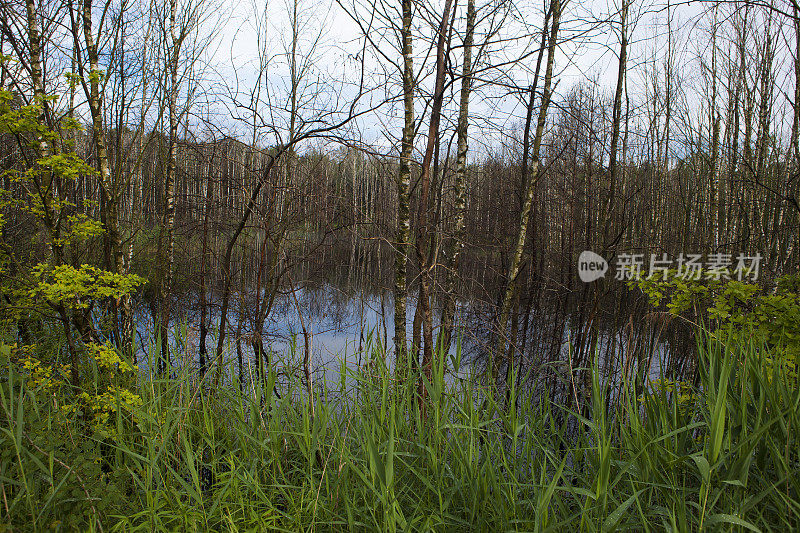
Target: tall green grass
(723, 457)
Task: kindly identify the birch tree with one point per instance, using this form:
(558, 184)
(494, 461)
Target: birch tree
(456, 243)
(403, 189)
(423, 229)
(516, 261)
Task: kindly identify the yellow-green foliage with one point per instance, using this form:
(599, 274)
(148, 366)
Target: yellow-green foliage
(64, 284)
(24, 120)
(101, 403)
(50, 167)
(101, 408)
(41, 287)
(41, 376)
(98, 403)
(107, 358)
(770, 316)
(76, 288)
(681, 392)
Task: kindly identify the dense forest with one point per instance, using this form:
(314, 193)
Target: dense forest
(315, 264)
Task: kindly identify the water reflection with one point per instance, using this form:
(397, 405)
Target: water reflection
(554, 344)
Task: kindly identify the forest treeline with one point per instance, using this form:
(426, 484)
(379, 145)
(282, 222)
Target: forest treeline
(209, 190)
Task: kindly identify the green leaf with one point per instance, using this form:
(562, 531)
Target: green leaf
(703, 466)
(613, 519)
(731, 519)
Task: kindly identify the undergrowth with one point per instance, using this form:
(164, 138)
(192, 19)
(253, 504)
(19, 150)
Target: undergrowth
(171, 454)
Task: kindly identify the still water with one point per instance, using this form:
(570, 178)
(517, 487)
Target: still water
(352, 327)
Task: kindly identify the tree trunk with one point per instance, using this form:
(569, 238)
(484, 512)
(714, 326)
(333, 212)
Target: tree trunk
(110, 196)
(516, 261)
(166, 235)
(423, 230)
(403, 190)
(203, 351)
(613, 171)
(226, 262)
(456, 243)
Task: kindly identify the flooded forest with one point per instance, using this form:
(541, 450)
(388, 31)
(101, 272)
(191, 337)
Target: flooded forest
(496, 232)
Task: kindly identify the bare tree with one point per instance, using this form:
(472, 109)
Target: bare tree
(456, 243)
(423, 230)
(516, 261)
(304, 121)
(403, 189)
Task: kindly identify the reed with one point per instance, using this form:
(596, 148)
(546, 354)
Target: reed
(720, 454)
